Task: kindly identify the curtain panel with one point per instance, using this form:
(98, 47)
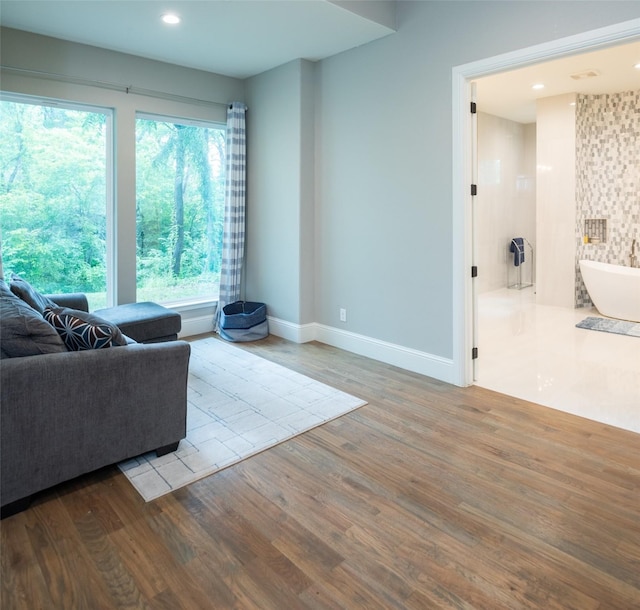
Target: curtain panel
(234, 209)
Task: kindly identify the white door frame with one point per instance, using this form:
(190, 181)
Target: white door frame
(462, 76)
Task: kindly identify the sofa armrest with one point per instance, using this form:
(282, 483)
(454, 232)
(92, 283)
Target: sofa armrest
(63, 415)
(75, 300)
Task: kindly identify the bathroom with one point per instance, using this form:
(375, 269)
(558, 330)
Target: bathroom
(565, 176)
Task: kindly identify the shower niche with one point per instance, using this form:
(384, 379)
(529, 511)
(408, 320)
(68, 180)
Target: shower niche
(595, 231)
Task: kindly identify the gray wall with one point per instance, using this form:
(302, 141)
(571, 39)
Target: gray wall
(383, 164)
(349, 161)
(280, 161)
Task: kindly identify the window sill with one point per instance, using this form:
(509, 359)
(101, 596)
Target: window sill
(189, 305)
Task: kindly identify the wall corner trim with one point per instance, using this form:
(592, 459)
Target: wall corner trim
(298, 333)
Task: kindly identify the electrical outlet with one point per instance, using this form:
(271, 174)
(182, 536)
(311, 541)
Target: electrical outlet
(343, 315)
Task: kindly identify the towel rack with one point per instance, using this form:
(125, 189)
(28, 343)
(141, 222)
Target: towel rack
(515, 278)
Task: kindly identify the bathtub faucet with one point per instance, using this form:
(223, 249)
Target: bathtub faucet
(632, 256)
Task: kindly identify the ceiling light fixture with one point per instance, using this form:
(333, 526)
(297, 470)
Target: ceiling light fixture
(584, 75)
(637, 66)
(538, 86)
(171, 18)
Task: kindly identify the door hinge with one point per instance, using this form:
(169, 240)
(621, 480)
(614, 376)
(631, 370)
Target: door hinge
(474, 271)
(474, 108)
(474, 190)
(474, 353)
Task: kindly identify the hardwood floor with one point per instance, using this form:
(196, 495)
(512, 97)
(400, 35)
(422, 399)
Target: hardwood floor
(430, 496)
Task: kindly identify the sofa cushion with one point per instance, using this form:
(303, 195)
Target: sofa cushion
(21, 288)
(24, 332)
(81, 330)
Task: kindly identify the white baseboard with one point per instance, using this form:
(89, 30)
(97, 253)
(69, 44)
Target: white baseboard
(281, 328)
(390, 353)
(298, 333)
(196, 326)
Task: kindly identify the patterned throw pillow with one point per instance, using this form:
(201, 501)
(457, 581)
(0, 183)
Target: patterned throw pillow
(81, 331)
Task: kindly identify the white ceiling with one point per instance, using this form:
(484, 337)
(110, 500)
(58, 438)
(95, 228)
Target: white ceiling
(238, 38)
(509, 94)
(241, 38)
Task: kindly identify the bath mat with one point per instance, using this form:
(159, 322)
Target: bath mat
(608, 325)
(239, 404)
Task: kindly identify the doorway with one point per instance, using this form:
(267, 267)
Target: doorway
(463, 76)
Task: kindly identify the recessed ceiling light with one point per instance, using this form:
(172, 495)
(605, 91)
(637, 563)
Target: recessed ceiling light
(171, 18)
(538, 86)
(637, 66)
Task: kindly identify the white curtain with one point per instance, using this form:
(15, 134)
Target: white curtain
(234, 209)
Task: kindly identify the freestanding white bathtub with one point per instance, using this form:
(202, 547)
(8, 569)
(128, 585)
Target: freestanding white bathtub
(614, 289)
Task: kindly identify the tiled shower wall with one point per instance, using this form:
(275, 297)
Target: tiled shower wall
(607, 178)
(506, 202)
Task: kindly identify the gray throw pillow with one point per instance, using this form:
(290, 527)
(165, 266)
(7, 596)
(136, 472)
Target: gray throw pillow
(23, 331)
(21, 288)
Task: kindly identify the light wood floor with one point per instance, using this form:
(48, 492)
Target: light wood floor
(431, 496)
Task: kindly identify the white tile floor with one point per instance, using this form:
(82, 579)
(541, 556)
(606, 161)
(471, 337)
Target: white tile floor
(535, 352)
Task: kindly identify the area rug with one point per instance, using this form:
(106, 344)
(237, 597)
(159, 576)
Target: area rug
(608, 325)
(239, 404)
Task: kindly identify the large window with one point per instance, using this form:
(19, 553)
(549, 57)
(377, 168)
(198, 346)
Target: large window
(53, 196)
(180, 207)
(56, 225)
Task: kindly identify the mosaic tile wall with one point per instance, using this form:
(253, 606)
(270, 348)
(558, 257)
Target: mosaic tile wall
(607, 179)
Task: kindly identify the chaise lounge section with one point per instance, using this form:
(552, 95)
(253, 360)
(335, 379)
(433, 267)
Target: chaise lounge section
(144, 322)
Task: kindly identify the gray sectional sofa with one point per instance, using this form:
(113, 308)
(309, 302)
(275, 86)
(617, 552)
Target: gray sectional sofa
(65, 413)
